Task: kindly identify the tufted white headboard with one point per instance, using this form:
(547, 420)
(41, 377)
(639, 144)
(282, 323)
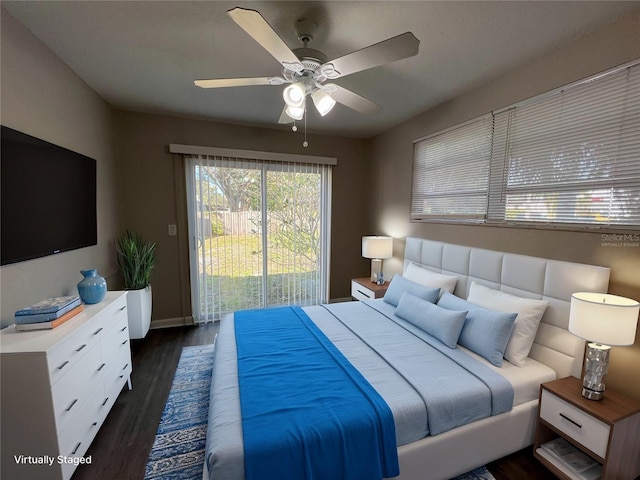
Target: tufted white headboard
(529, 277)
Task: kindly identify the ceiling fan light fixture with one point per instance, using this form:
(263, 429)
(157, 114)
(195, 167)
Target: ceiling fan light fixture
(294, 94)
(295, 112)
(323, 102)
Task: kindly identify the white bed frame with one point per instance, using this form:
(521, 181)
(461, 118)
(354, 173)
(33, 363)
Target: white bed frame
(465, 448)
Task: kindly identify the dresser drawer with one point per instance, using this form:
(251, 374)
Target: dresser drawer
(118, 373)
(115, 342)
(115, 316)
(583, 428)
(70, 393)
(65, 354)
(75, 440)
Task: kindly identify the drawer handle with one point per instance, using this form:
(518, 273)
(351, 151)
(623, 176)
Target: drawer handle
(81, 347)
(63, 365)
(123, 328)
(71, 406)
(122, 308)
(101, 366)
(361, 292)
(76, 449)
(105, 401)
(97, 331)
(124, 342)
(125, 367)
(570, 420)
(94, 424)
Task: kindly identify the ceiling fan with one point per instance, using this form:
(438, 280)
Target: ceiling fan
(306, 70)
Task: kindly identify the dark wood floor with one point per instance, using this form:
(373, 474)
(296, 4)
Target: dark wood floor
(121, 448)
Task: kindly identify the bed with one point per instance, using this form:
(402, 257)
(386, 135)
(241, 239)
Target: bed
(429, 444)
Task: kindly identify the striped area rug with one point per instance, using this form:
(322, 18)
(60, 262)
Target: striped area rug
(178, 449)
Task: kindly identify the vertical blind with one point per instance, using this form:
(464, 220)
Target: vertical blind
(568, 157)
(259, 233)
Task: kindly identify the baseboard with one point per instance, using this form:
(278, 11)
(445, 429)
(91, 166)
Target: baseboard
(172, 322)
(341, 299)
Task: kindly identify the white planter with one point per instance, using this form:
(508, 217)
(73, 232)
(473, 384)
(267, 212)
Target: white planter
(139, 312)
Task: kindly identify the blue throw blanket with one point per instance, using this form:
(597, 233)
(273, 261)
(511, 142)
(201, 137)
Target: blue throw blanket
(307, 413)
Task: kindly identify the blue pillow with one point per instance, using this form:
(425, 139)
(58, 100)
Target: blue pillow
(399, 285)
(485, 332)
(438, 322)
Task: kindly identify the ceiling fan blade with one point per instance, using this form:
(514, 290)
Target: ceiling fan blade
(390, 50)
(354, 101)
(257, 27)
(237, 82)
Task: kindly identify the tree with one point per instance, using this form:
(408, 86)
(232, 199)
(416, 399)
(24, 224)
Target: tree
(293, 204)
(239, 187)
(294, 207)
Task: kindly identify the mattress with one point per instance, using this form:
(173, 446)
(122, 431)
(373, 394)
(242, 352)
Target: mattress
(525, 380)
(223, 459)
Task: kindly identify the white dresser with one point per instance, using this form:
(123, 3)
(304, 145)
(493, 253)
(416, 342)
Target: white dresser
(58, 386)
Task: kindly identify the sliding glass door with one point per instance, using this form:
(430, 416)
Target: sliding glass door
(258, 234)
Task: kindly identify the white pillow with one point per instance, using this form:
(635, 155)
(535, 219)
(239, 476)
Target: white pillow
(426, 277)
(529, 312)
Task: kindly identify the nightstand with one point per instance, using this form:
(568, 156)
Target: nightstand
(607, 431)
(364, 289)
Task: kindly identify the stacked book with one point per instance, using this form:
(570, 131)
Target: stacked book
(579, 464)
(48, 313)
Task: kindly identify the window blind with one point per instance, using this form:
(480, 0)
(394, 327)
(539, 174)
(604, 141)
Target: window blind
(450, 172)
(573, 156)
(569, 158)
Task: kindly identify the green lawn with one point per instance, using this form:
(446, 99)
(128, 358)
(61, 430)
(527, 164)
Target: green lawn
(234, 280)
(241, 256)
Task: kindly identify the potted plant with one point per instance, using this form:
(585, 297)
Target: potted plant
(136, 260)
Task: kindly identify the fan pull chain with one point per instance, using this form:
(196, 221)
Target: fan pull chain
(305, 144)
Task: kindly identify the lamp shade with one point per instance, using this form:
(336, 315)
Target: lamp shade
(294, 94)
(604, 318)
(377, 247)
(323, 102)
(296, 113)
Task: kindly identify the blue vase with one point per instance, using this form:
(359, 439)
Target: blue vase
(92, 288)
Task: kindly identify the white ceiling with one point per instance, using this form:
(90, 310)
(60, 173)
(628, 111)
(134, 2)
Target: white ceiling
(144, 55)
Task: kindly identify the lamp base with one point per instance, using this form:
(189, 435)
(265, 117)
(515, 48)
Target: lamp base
(592, 394)
(596, 368)
(376, 269)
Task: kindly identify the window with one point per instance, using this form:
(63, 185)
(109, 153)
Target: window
(568, 158)
(450, 173)
(259, 232)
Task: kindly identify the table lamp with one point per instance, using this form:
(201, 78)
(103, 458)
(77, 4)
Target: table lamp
(377, 248)
(603, 320)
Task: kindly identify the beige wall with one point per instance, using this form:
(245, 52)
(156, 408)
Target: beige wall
(614, 45)
(152, 195)
(42, 97)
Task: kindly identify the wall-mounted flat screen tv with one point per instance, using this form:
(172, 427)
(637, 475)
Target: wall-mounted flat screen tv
(48, 198)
